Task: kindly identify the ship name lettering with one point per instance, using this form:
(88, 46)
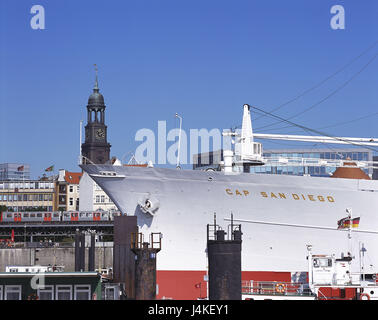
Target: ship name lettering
(311, 197)
(237, 192)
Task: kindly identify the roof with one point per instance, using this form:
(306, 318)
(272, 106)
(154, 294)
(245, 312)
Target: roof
(135, 165)
(72, 177)
(351, 172)
(49, 274)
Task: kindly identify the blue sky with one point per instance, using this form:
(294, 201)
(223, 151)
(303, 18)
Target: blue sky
(202, 59)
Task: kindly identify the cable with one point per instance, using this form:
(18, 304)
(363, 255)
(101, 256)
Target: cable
(311, 130)
(324, 80)
(329, 95)
(335, 124)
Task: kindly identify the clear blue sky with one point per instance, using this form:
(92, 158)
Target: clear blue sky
(203, 59)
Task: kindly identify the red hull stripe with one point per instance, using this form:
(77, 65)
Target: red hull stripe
(184, 284)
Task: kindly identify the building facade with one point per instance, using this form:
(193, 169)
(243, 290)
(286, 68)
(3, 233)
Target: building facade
(375, 171)
(28, 195)
(57, 286)
(92, 197)
(208, 160)
(14, 171)
(357, 154)
(211, 160)
(67, 191)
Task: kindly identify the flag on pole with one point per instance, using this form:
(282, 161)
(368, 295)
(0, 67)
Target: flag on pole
(346, 222)
(355, 222)
(20, 168)
(51, 168)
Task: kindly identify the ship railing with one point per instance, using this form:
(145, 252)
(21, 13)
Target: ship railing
(212, 231)
(137, 240)
(275, 288)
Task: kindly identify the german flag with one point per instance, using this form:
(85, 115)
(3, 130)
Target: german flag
(345, 223)
(355, 222)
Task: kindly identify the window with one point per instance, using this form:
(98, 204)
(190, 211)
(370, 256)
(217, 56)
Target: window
(71, 201)
(97, 199)
(102, 199)
(322, 263)
(63, 292)
(82, 292)
(110, 293)
(12, 293)
(47, 293)
(71, 189)
(1, 292)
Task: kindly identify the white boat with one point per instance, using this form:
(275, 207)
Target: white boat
(279, 215)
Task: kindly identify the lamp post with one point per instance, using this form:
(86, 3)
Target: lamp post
(179, 142)
(80, 142)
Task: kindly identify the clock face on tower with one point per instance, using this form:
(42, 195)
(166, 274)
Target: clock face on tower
(100, 134)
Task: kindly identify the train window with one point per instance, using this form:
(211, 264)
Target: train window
(26, 215)
(9, 215)
(32, 215)
(56, 215)
(39, 215)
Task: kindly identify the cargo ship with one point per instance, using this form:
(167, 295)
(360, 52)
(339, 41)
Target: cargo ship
(280, 215)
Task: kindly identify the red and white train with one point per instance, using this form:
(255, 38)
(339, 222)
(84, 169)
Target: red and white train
(56, 216)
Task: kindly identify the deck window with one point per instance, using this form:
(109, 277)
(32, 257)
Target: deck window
(47, 293)
(12, 293)
(63, 292)
(82, 292)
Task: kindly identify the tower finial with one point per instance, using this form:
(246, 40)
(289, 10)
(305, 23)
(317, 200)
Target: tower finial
(96, 83)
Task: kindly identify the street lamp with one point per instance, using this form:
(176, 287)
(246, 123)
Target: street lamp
(179, 142)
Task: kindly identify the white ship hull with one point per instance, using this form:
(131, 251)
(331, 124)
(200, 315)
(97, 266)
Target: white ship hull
(188, 200)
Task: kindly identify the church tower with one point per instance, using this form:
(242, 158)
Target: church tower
(96, 148)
